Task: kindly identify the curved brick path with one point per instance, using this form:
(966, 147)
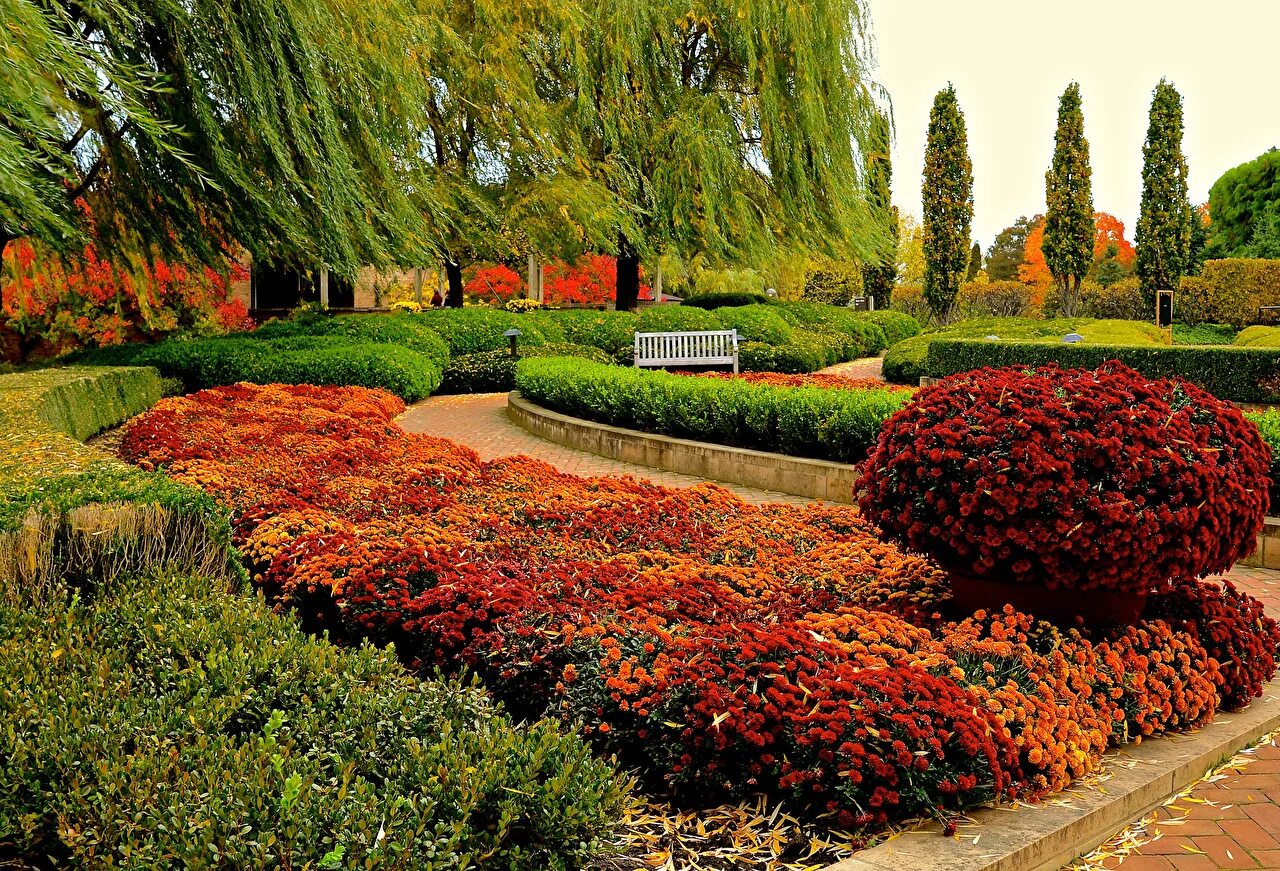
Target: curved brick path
(1231, 823)
(480, 422)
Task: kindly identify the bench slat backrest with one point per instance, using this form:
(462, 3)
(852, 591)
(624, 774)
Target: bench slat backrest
(709, 347)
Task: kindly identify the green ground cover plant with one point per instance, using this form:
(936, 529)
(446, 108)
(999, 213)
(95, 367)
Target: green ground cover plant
(904, 363)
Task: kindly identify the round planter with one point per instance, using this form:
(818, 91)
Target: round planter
(974, 593)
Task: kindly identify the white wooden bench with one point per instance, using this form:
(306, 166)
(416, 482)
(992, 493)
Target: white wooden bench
(707, 348)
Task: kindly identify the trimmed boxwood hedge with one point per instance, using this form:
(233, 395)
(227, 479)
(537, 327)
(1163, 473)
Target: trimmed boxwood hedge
(726, 299)
(167, 722)
(495, 371)
(1237, 374)
(319, 360)
(475, 329)
(395, 329)
(823, 424)
(757, 323)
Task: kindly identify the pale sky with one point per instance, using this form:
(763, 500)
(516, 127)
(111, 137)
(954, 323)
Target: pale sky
(1011, 59)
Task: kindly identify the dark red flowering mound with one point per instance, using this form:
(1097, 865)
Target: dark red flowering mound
(1233, 629)
(1082, 479)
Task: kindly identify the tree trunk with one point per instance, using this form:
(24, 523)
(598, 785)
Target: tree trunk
(453, 299)
(628, 292)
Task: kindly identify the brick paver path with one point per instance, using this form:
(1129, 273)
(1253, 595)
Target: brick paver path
(1239, 829)
(480, 422)
(865, 367)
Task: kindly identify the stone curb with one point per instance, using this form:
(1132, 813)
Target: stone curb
(1044, 838)
(817, 479)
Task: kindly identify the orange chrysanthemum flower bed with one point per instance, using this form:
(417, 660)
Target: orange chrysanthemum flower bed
(717, 648)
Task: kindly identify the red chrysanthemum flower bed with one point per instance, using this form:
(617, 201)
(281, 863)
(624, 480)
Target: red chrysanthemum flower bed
(1233, 629)
(718, 648)
(1076, 479)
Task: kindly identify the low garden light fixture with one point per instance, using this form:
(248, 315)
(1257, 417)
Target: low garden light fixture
(513, 335)
(992, 338)
(1072, 338)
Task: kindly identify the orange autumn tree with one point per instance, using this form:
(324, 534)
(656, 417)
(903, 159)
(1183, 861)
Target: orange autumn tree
(1108, 231)
(1033, 270)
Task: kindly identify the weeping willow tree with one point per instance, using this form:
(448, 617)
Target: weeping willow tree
(723, 130)
(488, 145)
(183, 126)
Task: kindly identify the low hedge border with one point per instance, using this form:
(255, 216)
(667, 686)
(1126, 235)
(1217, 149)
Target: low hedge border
(169, 699)
(322, 360)
(812, 422)
(68, 511)
(1236, 374)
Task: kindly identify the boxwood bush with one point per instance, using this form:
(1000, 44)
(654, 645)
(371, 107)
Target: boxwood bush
(169, 723)
(495, 371)
(397, 329)
(1234, 373)
(800, 421)
(474, 329)
(320, 360)
(896, 325)
(612, 332)
(726, 298)
(756, 323)
(677, 319)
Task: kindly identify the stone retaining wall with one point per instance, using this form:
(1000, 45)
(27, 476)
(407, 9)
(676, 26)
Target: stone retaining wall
(817, 479)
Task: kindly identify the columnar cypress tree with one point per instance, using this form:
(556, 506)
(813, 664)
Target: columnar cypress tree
(1068, 227)
(948, 203)
(1164, 224)
(975, 262)
(878, 277)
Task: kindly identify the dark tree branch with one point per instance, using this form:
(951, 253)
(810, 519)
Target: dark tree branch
(90, 177)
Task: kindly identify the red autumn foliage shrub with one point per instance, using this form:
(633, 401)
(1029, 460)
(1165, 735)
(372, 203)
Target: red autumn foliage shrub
(59, 304)
(719, 649)
(1234, 631)
(1078, 479)
(591, 280)
(495, 283)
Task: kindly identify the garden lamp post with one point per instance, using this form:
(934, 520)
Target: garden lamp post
(513, 335)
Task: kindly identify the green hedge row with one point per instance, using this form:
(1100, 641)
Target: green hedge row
(168, 722)
(805, 422)
(298, 359)
(495, 371)
(1234, 373)
(363, 329)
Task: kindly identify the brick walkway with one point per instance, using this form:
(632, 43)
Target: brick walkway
(1233, 822)
(866, 367)
(480, 421)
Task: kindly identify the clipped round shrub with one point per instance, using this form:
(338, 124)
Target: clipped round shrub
(677, 319)
(473, 329)
(904, 361)
(823, 318)
(1077, 479)
(896, 325)
(381, 329)
(611, 331)
(1233, 629)
(726, 298)
(756, 323)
